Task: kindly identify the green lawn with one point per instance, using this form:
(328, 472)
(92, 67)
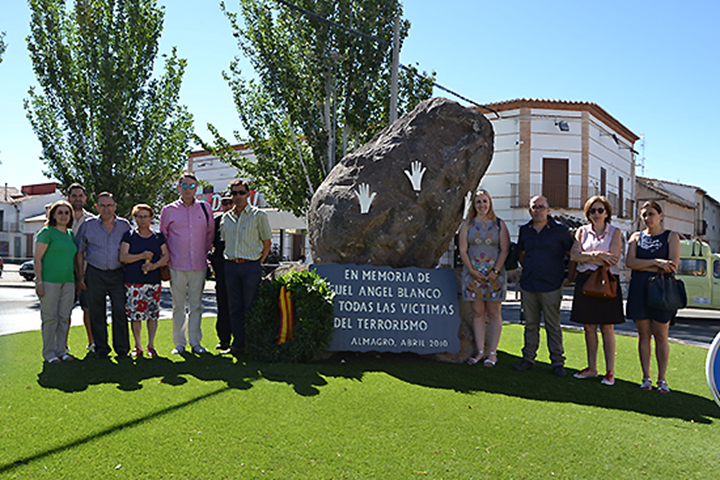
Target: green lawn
(353, 416)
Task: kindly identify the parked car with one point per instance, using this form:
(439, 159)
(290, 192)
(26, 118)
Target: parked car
(27, 270)
(2, 264)
(699, 269)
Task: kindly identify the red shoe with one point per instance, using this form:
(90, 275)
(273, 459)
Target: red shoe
(585, 373)
(152, 352)
(609, 379)
(136, 352)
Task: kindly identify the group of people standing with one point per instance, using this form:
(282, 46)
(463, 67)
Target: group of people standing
(90, 258)
(543, 246)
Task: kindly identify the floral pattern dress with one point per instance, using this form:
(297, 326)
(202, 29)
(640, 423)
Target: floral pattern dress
(483, 250)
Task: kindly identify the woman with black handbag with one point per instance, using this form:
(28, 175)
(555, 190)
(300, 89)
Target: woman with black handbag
(598, 298)
(650, 252)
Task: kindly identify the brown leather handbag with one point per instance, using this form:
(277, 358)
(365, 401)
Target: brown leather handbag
(600, 284)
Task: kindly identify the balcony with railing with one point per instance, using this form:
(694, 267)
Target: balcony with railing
(566, 196)
(559, 196)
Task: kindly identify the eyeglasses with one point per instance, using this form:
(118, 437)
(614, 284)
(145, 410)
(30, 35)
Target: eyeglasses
(600, 210)
(538, 207)
(238, 192)
(188, 185)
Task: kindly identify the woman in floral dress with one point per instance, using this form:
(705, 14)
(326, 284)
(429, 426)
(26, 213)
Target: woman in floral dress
(143, 252)
(484, 243)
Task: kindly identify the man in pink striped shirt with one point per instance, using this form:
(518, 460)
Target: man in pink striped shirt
(189, 230)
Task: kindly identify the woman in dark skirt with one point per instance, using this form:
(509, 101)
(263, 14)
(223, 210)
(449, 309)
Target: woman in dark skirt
(651, 251)
(595, 244)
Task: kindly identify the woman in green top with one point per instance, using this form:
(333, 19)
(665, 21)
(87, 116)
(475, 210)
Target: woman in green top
(55, 279)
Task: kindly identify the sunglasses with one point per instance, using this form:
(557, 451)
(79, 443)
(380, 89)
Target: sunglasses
(188, 185)
(227, 202)
(599, 210)
(238, 192)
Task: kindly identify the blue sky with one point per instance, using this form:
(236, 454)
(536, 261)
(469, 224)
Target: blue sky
(655, 66)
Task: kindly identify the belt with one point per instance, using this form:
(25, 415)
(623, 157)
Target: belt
(242, 260)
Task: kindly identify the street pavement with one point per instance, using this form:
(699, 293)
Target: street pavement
(20, 311)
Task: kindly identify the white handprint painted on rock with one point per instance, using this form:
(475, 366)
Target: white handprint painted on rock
(415, 174)
(364, 197)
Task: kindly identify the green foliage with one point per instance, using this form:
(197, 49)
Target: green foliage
(102, 119)
(313, 308)
(3, 47)
(304, 103)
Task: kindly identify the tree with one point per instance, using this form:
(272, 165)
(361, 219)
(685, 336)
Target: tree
(321, 91)
(2, 45)
(102, 119)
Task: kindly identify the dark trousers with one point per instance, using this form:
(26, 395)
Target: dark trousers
(103, 283)
(222, 326)
(243, 281)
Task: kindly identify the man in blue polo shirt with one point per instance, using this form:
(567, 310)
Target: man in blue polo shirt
(543, 244)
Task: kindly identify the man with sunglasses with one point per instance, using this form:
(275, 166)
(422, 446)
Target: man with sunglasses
(543, 244)
(189, 230)
(217, 259)
(246, 232)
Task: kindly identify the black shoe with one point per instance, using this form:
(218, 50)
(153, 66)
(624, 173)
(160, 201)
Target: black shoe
(524, 366)
(233, 351)
(559, 371)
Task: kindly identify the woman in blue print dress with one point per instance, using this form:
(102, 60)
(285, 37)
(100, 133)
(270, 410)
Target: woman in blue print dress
(484, 242)
(650, 252)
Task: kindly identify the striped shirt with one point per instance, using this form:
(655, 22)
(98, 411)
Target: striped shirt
(100, 247)
(244, 235)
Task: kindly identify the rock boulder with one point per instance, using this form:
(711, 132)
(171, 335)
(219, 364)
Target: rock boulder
(398, 200)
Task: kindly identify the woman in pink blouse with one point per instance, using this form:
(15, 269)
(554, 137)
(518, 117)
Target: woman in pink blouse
(595, 244)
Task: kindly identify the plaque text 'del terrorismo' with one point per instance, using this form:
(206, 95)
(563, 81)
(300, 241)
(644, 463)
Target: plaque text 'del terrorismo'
(393, 310)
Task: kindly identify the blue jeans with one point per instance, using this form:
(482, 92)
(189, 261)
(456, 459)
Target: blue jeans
(242, 281)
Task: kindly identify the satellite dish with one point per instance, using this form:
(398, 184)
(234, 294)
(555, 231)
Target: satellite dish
(712, 368)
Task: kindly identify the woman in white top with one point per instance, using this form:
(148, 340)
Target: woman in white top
(595, 244)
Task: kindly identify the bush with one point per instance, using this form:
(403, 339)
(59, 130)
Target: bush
(314, 311)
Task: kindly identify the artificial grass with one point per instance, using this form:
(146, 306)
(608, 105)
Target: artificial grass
(352, 416)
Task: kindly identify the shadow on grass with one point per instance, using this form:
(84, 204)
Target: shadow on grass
(129, 374)
(536, 384)
(110, 430)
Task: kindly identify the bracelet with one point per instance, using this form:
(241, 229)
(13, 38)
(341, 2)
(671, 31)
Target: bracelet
(497, 272)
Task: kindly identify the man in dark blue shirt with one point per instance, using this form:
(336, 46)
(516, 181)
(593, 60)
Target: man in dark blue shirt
(543, 244)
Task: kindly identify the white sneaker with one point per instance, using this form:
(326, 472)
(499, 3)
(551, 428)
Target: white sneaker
(178, 350)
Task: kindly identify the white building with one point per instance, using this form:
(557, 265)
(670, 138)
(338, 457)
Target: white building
(17, 235)
(687, 209)
(567, 151)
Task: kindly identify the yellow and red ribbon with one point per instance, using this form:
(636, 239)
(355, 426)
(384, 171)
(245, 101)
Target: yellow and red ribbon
(287, 318)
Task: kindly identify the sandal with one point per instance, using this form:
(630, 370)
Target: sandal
(136, 352)
(54, 360)
(647, 384)
(152, 352)
(662, 386)
(474, 360)
(585, 373)
(488, 362)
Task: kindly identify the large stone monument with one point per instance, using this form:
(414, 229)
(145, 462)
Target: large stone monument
(398, 200)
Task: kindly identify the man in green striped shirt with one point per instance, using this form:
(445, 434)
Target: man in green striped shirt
(246, 232)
